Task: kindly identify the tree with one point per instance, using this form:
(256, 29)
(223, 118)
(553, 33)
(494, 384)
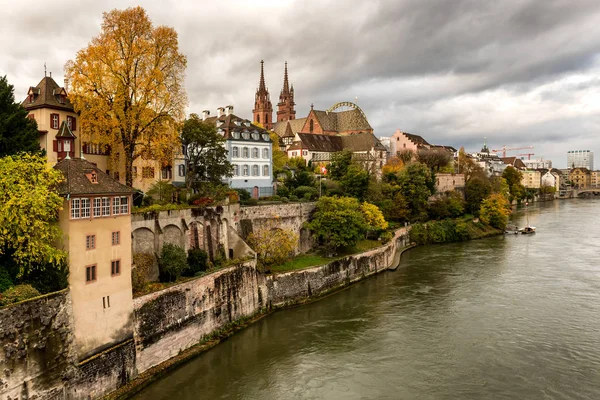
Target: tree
(172, 262)
(513, 179)
(476, 190)
(373, 217)
(162, 191)
(279, 156)
(29, 207)
(405, 155)
(467, 166)
(340, 162)
(393, 165)
(17, 132)
(355, 182)
(127, 85)
(206, 153)
(272, 244)
(338, 221)
(415, 185)
(301, 178)
(435, 159)
(494, 211)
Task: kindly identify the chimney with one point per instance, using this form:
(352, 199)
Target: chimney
(67, 85)
(228, 110)
(205, 114)
(220, 112)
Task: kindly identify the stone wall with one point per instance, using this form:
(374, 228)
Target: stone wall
(36, 338)
(291, 216)
(176, 318)
(292, 287)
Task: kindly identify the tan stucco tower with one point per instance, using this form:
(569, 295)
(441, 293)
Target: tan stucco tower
(96, 223)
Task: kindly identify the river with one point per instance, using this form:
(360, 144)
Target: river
(509, 317)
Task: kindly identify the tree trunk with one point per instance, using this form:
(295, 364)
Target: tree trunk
(128, 147)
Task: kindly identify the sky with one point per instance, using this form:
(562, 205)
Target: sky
(513, 72)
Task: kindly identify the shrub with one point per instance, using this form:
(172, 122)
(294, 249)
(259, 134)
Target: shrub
(172, 262)
(143, 263)
(306, 192)
(243, 194)
(285, 200)
(293, 198)
(283, 191)
(51, 278)
(5, 281)
(251, 202)
(196, 262)
(386, 236)
(18, 293)
(200, 200)
(275, 198)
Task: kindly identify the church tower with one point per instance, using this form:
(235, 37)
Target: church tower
(263, 110)
(285, 107)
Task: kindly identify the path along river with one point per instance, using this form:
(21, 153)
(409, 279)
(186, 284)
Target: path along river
(509, 317)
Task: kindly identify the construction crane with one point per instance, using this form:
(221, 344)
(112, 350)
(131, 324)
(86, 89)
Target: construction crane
(526, 154)
(504, 149)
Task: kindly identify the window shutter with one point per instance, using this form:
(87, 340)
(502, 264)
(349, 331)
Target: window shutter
(55, 145)
(51, 122)
(73, 124)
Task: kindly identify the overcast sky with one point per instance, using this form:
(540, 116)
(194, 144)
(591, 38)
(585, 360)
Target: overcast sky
(521, 73)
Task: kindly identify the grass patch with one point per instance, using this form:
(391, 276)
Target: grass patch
(360, 247)
(302, 261)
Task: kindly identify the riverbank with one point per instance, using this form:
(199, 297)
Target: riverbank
(451, 230)
(168, 322)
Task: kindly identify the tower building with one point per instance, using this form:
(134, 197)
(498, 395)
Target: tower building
(285, 107)
(263, 110)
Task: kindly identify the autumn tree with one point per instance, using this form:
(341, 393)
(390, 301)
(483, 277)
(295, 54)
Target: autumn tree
(405, 155)
(467, 166)
(127, 85)
(272, 244)
(29, 206)
(278, 156)
(17, 132)
(338, 222)
(513, 179)
(435, 159)
(374, 219)
(393, 165)
(495, 210)
(206, 153)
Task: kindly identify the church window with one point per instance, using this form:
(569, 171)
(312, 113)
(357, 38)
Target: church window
(311, 126)
(245, 153)
(255, 170)
(258, 118)
(265, 153)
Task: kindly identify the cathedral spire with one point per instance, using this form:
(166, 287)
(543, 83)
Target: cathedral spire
(285, 107)
(262, 86)
(286, 86)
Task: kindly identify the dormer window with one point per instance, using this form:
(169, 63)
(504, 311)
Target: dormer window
(265, 137)
(255, 136)
(236, 135)
(92, 176)
(246, 135)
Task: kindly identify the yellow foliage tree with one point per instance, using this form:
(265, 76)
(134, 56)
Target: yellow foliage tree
(127, 85)
(373, 217)
(29, 207)
(272, 244)
(393, 165)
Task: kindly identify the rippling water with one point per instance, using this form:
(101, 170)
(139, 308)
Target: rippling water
(510, 317)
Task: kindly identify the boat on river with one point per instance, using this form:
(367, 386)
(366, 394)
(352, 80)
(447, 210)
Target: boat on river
(528, 230)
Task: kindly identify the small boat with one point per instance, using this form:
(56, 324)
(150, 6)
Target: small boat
(528, 230)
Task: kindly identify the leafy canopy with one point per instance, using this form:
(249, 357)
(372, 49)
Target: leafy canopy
(127, 85)
(495, 210)
(17, 132)
(206, 153)
(29, 207)
(373, 217)
(338, 221)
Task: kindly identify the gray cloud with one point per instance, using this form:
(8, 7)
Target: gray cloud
(448, 70)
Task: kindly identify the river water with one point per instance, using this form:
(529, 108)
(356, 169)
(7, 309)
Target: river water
(509, 317)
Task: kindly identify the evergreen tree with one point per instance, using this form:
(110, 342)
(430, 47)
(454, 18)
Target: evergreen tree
(17, 132)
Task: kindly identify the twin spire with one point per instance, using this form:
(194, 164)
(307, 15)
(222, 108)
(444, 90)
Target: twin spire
(263, 110)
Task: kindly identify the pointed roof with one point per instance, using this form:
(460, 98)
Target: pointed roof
(77, 182)
(232, 123)
(262, 87)
(47, 94)
(295, 125)
(64, 131)
(286, 86)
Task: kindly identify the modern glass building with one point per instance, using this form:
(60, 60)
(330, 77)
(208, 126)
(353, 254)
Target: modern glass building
(580, 159)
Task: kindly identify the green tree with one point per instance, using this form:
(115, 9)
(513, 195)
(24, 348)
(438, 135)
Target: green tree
(300, 178)
(162, 191)
(338, 222)
(206, 154)
(513, 179)
(494, 211)
(355, 181)
(17, 132)
(279, 156)
(476, 190)
(340, 162)
(415, 185)
(172, 262)
(29, 206)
